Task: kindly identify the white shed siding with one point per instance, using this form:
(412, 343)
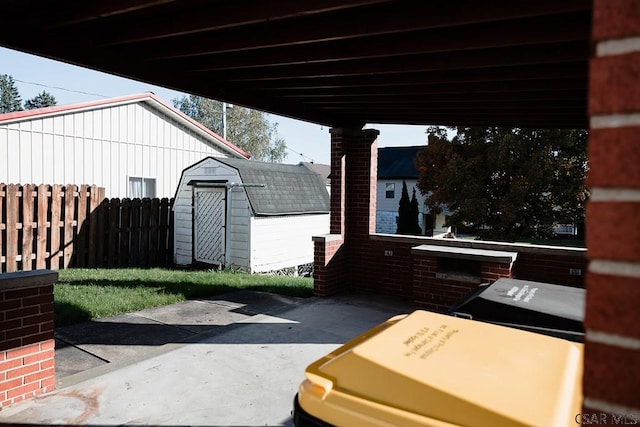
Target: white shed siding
(240, 229)
(102, 146)
(238, 247)
(282, 242)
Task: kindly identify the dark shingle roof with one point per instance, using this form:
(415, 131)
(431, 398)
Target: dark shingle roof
(323, 170)
(288, 190)
(397, 162)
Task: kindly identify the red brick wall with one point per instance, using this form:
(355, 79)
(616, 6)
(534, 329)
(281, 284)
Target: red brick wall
(551, 268)
(329, 265)
(433, 290)
(612, 343)
(396, 274)
(27, 365)
(354, 258)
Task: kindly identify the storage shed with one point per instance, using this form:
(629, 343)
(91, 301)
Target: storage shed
(257, 216)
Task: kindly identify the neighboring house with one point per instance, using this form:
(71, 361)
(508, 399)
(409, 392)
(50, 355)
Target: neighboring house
(258, 216)
(395, 165)
(133, 146)
(323, 170)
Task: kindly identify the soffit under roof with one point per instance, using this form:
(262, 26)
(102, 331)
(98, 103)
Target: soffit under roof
(335, 62)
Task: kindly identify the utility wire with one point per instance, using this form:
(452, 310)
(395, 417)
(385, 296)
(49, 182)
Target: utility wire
(61, 88)
(300, 154)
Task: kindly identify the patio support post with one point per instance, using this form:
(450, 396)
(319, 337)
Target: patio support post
(612, 321)
(353, 189)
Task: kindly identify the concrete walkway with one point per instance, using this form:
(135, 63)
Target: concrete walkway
(232, 360)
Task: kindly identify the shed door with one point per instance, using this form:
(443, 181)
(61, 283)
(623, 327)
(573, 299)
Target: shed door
(209, 225)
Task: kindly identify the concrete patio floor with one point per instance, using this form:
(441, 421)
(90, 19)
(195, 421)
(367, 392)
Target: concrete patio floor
(233, 360)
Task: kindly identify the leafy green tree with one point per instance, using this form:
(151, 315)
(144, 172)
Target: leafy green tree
(203, 110)
(9, 96)
(506, 183)
(248, 129)
(42, 100)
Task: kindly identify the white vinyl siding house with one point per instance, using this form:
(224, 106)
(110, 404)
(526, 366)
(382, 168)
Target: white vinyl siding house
(257, 216)
(395, 166)
(132, 146)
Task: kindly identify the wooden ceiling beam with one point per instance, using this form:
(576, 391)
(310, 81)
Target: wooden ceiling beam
(407, 81)
(485, 36)
(376, 20)
(201, 16)
(558, 53)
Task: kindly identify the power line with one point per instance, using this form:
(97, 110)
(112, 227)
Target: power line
(61, 88)
(300, 154)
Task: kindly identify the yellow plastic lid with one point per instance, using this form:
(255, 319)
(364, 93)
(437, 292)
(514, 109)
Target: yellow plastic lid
(442, 369)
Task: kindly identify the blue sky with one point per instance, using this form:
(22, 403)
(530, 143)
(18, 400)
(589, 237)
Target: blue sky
(71, 84)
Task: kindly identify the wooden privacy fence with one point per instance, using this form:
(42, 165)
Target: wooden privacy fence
(55, 226)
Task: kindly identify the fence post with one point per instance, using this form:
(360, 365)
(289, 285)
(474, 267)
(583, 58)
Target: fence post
(42, 209)
(12, 228)
(102, 231)
(80, 244)
(93, 222)
(153, 233)
(114, 222)
(69, 213)
(125, 230)
(135, 232)
(27, 227)
(164, 217)
(56, 211)
(144, 237)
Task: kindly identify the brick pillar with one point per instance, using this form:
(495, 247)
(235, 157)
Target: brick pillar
(27, 365)
(612, 343)
(353, 193)
(336, 224)
(361, 148)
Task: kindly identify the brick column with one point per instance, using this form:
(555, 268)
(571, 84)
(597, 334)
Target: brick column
(353, 193)
(27, 364)
(337, 176)
(612, 344)
(361, 148)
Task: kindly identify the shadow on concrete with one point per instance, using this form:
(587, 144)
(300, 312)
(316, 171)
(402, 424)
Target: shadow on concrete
(275, 319)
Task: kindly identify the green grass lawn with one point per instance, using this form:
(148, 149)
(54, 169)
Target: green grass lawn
(83, 294)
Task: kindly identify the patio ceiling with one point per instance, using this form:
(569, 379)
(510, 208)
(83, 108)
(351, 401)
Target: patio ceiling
(334, 62)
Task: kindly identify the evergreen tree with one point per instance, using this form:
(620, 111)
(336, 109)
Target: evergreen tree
(9, 96)
(415, 213)
(42, 100)
(404, 212)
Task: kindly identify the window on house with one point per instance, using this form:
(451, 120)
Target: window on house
(390, 190)
(142, 187)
